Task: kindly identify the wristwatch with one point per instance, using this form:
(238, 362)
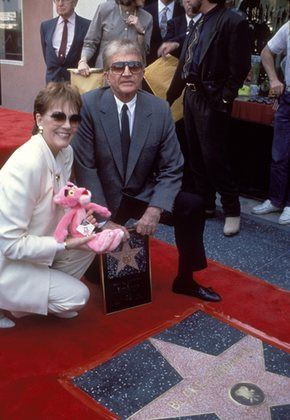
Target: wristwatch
(141, 32)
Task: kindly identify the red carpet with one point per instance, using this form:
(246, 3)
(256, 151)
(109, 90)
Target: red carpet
(38, 355)
(15, 129)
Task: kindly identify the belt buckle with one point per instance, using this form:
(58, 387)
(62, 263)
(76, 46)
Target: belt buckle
(192, 86)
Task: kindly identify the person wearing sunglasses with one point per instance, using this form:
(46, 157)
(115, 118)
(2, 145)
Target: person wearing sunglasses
(127, 154)
(119, 19)
(37, 274)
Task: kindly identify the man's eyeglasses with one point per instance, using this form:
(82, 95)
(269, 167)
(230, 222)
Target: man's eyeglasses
(61, 117)
(118, 67)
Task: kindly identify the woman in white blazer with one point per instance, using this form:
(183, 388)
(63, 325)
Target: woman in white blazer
(37, 274)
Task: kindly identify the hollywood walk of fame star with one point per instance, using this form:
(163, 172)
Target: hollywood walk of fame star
(126, 257)
(208, 380)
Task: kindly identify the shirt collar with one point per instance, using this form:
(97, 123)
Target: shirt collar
(71, 19)
(213, 11)
(161, 6)
(131, 105)
(194, 19)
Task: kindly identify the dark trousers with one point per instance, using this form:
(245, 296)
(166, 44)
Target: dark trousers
(279, 193)
(188, 221)
(207, 157)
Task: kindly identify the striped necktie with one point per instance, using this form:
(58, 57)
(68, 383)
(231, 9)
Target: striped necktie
(163, 22)
(193, 41)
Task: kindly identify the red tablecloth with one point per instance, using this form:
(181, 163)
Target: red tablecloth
(253, 111)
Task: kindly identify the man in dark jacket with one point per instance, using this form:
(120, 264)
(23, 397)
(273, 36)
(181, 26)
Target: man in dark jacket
(214, 63)
(177, 29)
(162, 11)
(62, 40)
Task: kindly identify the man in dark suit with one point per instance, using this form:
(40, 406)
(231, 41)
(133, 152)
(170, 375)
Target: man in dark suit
(177, 29)
(214, 63)
(162, 11)
(127, 154)
(62, 40)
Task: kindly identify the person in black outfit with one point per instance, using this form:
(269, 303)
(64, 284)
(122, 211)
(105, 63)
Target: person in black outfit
(214, 63)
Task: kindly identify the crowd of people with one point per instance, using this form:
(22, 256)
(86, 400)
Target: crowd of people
(124, 145)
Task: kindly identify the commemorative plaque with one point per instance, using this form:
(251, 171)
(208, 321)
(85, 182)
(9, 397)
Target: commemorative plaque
(126, 274)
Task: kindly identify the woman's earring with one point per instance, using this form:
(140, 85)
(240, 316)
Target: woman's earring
(40, 129)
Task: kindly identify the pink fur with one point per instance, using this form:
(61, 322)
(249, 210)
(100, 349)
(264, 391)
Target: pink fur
(78, 201)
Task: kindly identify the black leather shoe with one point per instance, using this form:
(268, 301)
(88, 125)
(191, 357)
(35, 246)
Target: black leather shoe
(204, 293)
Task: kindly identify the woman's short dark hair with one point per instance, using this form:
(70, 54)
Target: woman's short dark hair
(125, 46)
(60, 92)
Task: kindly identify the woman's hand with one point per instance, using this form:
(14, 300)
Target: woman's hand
(83, 68)
(112, 225)
(79, 243)
(134, 21)
(90, 218)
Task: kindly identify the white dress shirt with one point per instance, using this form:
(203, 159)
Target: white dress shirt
(195, 18)
(131, 111)
(169, 12)
(57, 35)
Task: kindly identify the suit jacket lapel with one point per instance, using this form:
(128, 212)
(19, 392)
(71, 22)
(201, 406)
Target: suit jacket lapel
(110, 122)
(51, 32)
(210, 34)
(78, 31)
(142, 123)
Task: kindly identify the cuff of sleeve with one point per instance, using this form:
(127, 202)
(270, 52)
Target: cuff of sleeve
(102, 224)
(60, 247)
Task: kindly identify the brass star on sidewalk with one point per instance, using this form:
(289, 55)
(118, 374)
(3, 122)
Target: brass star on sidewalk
(126, 257)
(233, 385)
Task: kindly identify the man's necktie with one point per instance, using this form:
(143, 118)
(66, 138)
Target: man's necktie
(125, 136)
(163, 22)
(189, 26)
(63, 44)
(192, 42)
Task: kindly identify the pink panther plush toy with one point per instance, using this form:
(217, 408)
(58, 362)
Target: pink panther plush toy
(78, 200)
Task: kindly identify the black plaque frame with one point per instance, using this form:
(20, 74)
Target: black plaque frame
(125, 286)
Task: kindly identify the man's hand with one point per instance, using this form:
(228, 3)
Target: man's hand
(276, 87)
(149, 221)
(167, 48)
(112, 225)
